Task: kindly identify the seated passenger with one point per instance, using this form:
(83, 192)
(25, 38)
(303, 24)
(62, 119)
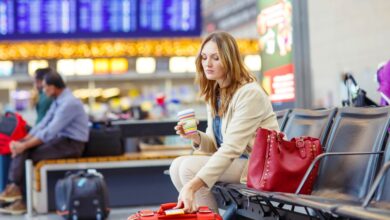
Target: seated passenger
(236, 107)
(62, 133)
(42, 102)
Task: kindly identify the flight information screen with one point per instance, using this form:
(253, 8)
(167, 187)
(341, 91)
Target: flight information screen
(7, 23)
(99, 16)
(51, 19)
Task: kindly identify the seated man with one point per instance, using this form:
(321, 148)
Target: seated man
(62, 133)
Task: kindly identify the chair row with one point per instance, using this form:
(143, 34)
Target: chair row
(356, 146)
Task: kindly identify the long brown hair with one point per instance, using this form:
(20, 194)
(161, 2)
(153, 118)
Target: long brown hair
(232, 63)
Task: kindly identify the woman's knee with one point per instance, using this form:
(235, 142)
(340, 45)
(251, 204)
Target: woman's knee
(190, 166)
(175, 165)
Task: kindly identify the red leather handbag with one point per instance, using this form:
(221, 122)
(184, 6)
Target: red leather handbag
(279, 165)
(203, 213)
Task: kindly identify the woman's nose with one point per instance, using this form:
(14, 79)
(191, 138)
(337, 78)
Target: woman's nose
(208, 62)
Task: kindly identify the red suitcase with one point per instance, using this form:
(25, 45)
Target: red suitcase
(203, 213)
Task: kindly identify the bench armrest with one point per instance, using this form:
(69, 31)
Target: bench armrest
(375, 185)
(323, 155)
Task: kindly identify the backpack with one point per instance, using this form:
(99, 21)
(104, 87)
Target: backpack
(12, 128)
(82, 195)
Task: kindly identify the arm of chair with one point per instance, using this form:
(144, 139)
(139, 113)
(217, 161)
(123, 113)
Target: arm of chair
(375, 185)
(321, 156)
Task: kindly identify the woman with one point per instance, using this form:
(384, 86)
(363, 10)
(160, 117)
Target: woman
(236, 107)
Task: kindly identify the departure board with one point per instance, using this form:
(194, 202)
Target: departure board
(97, 16)
(6, 17)
(64, 19)
(45, 16)
(175, 15)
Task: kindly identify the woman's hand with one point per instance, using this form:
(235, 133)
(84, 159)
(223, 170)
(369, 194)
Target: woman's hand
(187, 199)
(195, 137)
(187, 195)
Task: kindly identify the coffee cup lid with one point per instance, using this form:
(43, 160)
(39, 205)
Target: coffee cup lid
(185, 112)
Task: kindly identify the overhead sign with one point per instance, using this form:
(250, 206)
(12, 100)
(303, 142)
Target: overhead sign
(45, 19)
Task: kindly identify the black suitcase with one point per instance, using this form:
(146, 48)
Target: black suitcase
(82, 195)
(104, 140)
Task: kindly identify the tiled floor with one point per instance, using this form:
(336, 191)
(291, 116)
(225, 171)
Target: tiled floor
(116, 214)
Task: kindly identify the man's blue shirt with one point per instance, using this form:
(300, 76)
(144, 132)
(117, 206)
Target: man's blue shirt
(65, 118)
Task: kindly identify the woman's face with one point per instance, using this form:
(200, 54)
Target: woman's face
(211, 63)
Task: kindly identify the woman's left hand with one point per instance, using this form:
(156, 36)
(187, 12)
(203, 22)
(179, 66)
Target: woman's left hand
(187, 199)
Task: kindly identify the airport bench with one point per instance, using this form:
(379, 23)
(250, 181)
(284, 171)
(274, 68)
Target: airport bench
(343, 180)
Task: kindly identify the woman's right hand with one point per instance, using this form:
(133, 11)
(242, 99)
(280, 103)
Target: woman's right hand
(195, 137)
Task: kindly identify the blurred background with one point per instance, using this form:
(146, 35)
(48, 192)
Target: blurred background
(134, 59)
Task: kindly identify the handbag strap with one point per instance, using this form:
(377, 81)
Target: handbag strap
(277, 137)
(301, 144)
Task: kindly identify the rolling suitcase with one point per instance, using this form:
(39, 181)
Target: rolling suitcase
(356, 97)
(82, 195)
(166, 212)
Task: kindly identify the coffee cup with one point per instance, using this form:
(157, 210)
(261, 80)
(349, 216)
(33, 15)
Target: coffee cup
(187, 117)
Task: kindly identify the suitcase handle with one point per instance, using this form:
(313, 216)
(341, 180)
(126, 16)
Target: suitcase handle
(146, 213)
(203, 212)
(348, 76)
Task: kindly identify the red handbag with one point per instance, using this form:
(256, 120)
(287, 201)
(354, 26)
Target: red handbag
(203, 213)
(279, 165)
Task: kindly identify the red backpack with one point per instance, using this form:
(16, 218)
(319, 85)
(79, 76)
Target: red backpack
(12, 128)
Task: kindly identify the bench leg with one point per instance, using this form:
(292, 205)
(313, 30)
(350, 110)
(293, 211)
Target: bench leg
(29, 188)
(230, 213)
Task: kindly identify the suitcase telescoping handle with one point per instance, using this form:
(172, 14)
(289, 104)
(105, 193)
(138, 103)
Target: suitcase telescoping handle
(348, 76)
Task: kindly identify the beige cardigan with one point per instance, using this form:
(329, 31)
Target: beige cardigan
(248, 110)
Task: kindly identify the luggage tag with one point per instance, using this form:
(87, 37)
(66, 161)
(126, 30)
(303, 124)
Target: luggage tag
(174, 212)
